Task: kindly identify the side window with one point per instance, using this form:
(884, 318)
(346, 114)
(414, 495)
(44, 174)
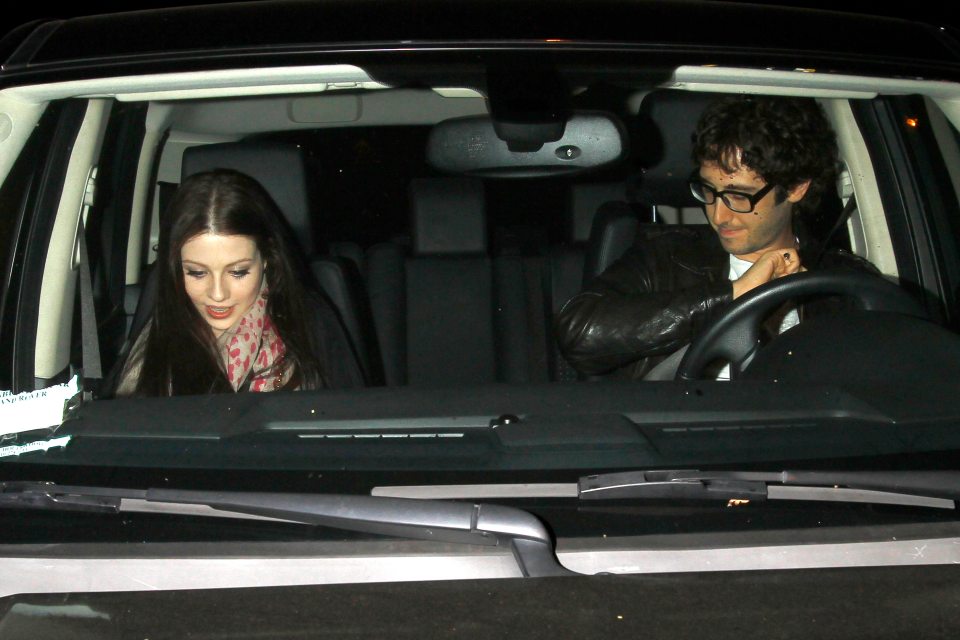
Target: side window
(932, 146)
(866, 230)
(911, 147)
(947, 139)
(39, 299)
(17, 199)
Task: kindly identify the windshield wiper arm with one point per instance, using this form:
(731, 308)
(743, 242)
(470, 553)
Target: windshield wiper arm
(454, 522)
(918, 488)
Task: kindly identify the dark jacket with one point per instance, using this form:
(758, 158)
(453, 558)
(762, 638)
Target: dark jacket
(657, 298)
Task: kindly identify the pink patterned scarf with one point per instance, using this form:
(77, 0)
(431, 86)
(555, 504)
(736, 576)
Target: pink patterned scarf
(253, 352)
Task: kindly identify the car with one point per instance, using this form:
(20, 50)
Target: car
(453, 174)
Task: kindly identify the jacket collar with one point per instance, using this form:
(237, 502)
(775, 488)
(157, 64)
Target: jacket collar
(705, 258)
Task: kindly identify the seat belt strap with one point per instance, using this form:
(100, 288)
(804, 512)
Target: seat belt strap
(90, 343)
(845, 214)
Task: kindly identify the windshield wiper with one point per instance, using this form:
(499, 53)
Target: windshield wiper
(454, 522)
(938, 489)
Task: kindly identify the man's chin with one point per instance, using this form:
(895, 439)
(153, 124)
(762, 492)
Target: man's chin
(736, 246)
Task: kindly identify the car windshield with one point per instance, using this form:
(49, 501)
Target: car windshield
(522, 268)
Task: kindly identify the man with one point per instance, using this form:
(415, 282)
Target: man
(763, 163)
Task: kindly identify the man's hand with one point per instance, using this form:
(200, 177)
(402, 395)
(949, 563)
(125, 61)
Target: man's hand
(771, 265)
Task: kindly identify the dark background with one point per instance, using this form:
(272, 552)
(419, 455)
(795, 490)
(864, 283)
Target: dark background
(922, 10)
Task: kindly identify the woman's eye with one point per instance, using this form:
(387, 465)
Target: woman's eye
(240, 273)
(195, 274)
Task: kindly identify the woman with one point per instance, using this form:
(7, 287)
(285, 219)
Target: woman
(231, 314)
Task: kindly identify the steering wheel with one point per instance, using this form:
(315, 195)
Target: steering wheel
(735, 335)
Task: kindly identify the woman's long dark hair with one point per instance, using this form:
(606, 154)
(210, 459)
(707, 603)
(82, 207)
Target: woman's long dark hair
(181, 355)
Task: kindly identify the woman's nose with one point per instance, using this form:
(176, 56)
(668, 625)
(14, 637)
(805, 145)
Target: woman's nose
(218, 289)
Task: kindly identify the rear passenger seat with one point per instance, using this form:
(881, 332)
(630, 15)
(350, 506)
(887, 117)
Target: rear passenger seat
(445, 310)
(432, 301)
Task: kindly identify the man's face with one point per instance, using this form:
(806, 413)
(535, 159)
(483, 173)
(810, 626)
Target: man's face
(750, 235)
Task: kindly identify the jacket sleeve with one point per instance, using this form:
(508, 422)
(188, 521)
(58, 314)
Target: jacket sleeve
(620, 319)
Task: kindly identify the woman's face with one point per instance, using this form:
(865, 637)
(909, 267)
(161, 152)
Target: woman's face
(222, 276)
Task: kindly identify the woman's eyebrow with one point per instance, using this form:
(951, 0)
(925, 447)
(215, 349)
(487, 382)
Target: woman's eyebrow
(227, 266)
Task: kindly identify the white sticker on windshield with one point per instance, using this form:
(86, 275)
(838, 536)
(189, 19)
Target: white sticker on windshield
(40, 445)
(40, 409)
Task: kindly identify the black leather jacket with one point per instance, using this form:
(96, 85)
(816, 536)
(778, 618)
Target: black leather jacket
(655, 299)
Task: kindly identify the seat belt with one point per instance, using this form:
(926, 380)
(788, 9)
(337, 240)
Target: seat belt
(848, 210)
(92, 369)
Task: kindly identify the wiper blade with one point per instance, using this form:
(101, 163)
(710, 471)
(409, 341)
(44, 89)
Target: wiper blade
(454, 522)
(938, 489)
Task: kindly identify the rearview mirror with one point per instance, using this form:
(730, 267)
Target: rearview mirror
(471, 146)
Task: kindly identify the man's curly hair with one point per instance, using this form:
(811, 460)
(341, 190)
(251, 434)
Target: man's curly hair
(784, 140)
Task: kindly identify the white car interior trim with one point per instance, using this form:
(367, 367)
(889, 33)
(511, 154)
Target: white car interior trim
(311, 79)
(57, 292)
(805, 82)
(950, 106)
(284, 113)
(871, 218)
(946, 136)
(17, 121)
(201, 84)
(217, 92)
(154, 127)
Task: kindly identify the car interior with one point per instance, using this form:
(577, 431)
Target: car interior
(441, 275)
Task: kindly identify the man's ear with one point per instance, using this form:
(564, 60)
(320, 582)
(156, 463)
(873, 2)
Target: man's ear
(796, 194)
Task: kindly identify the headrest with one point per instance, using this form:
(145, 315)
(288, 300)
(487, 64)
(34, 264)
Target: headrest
(664, 145)
(448, 216)
(280, 168)
(586, 199)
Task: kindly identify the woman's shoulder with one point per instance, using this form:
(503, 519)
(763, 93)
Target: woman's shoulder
(125, 375)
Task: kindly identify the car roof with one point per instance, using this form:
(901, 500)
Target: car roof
(678, 32)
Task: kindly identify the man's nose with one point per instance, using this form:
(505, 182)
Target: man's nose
(719, 212)
(218, 289)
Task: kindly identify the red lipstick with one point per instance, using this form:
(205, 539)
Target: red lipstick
(219, 315)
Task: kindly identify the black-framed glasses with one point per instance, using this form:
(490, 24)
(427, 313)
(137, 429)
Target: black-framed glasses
(736, 201)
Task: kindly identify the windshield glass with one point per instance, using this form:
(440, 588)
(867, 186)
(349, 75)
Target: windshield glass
(483, 275)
